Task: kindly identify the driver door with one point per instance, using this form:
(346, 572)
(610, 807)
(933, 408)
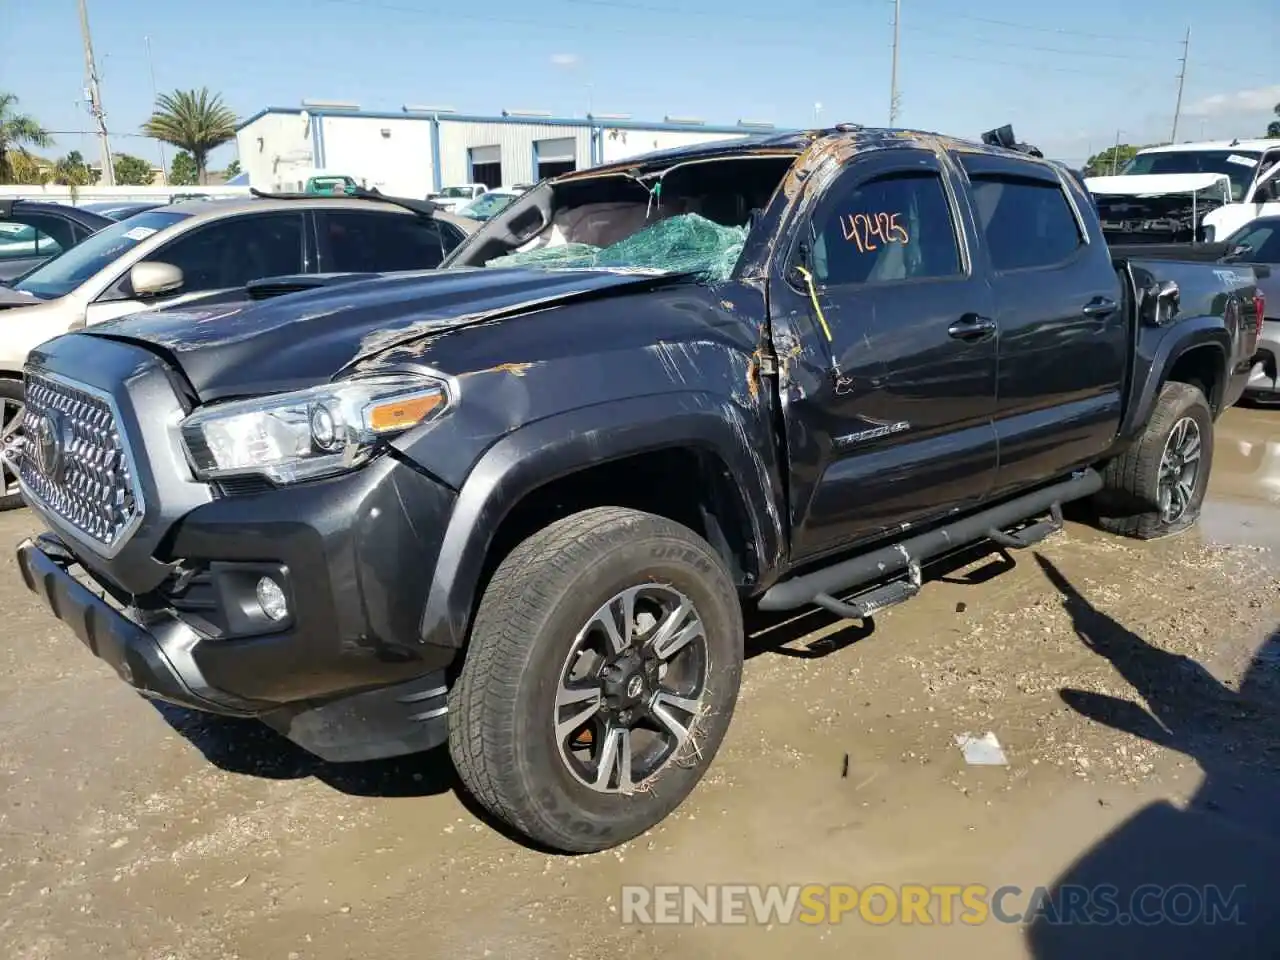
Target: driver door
(890, 356)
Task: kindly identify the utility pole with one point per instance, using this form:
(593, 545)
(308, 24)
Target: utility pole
(151, 67)
(893, 70)
(1115, 154)
(1182, 79)
(95, 99)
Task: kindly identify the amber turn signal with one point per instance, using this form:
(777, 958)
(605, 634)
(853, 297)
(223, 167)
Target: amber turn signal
(403, 412)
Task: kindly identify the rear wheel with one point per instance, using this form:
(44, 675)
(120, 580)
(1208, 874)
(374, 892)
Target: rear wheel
(601, 677)
(12, 410)
(1156, 487)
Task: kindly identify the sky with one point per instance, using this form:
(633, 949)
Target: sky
(1069, 77)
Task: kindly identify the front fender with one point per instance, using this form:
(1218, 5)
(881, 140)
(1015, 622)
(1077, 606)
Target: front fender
(1156, 358)
(557, 446)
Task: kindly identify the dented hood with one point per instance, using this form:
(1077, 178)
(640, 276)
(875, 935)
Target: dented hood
(299, 340)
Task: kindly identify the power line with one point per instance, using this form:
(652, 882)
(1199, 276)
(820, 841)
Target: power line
(1038, 67)
(1038, 29)
(987, 41)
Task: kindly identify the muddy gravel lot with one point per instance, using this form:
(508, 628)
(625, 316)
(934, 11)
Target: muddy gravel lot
(1134, 690)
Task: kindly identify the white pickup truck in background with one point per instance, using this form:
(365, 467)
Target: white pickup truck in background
(1182, 192)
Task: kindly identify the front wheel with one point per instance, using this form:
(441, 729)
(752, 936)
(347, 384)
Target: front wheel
(1155, 488)
(602, 673)
(12, 410)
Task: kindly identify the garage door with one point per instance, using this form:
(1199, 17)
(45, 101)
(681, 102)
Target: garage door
(486, 154)
(563, 150)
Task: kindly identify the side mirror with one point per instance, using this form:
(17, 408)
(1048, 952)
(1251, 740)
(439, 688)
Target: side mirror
(151, 278)
(1266, 191)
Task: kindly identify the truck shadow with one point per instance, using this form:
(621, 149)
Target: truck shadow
(253, 749)
(1193, 882)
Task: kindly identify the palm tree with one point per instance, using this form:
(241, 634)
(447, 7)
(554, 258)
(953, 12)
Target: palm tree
(17, 131)
(192, 120)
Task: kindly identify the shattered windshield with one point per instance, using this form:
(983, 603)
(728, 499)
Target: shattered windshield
(687, 243)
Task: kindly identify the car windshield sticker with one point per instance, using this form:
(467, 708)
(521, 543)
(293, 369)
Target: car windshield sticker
(865, 228)
(139, 233)
(1243, 161)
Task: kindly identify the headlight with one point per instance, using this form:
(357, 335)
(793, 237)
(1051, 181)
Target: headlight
(312, 433)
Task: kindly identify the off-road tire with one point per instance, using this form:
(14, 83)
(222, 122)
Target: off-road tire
(10, 390)
(1129, 501)
(501, 710)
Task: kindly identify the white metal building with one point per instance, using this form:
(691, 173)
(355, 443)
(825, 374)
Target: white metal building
(422, 149)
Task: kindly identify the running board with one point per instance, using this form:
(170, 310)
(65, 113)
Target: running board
(821, 586)
(867, 604)
(1028, 536)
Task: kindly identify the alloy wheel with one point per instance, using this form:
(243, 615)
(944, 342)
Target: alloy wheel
(631, 689)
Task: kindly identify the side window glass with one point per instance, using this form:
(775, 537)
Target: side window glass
(28, 238)
(1026, 223)
(369, 242)
(232, 252)
(894, 228)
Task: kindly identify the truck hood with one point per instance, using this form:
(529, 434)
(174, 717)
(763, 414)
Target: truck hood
(301, 339)
(1155, 184)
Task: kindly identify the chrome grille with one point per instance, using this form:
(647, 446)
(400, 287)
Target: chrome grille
(76, 463)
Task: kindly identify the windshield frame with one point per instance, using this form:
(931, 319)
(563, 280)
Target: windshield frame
(95, 254)
(1241, 175)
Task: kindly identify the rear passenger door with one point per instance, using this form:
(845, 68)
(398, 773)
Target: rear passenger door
(898, 429)
(371, 241)
(1064, 334)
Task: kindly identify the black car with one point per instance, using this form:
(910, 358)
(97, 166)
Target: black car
(32, 231)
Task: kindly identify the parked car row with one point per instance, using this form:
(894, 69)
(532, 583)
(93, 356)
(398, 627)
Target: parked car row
(171, 254)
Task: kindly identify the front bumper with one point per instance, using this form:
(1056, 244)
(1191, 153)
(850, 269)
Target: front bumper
(143, 657)
(345, 674)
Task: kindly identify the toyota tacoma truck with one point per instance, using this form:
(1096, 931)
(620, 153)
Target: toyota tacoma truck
(519, 504)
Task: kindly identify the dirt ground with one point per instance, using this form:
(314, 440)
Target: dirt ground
(1133, 688)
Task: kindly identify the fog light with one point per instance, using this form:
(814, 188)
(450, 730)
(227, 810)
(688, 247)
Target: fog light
(272, 600)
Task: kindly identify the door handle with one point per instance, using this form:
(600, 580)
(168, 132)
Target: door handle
(1099, 307)
(972, 328)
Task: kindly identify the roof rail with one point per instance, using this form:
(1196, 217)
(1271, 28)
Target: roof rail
(423, 208)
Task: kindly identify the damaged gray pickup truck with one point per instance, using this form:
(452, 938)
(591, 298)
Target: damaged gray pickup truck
(518, 505)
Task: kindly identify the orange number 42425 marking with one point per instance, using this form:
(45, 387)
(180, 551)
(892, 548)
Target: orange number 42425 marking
(865, 229)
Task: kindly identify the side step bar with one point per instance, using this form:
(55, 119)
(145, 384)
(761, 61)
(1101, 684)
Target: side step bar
(821, 586)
